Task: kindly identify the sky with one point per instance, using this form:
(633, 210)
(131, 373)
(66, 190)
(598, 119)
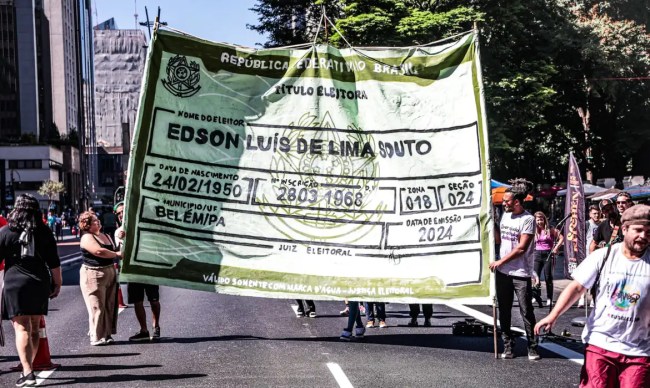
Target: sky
(216, 20)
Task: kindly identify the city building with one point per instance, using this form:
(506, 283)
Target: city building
(119, 57)
(46, 104)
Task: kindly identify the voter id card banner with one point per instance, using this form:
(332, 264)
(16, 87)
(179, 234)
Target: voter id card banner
(316, 173)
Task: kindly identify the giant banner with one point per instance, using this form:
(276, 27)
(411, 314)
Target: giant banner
(316, 173)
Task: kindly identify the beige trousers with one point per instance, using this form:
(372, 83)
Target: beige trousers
(99, 289)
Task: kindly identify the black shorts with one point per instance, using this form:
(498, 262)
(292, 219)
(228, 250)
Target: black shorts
(136, 292)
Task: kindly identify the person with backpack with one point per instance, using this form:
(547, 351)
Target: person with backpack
(617, 351)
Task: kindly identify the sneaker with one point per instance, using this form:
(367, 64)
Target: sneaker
(345, 335)
(109, 340)
(99, 342)
(427, 323)
(370, 324)
(140, 336)
(382, 324)
(345, 312)
(28, 380)
(533, 355)
(548, 302)
(312, 314)
(300, 314)
(507, 352)
(155, 333)
(359, 332)
(413, 322)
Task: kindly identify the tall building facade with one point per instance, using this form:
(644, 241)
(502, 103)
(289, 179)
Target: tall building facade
(119, 66)
(43, 103)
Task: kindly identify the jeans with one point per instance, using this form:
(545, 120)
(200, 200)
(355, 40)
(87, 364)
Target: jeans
(414, 311)
(354, 316)
(506, 285)
(310, 305)
(381, 311)
(547, 266)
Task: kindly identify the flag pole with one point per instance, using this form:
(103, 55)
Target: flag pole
(494, 325)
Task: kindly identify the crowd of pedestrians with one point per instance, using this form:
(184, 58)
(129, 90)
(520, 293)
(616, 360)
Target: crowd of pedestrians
(617, 351)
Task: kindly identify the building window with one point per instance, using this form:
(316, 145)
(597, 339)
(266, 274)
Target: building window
(35, 164)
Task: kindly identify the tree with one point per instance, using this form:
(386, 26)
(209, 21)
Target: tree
(559, 75)
(51, 189)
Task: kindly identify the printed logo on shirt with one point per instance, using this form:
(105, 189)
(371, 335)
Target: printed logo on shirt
(624, 296)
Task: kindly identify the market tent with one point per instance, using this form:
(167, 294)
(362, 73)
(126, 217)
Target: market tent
(497, 195)
(494, 184)
(639, 192)
(606, 194)
(588, 188)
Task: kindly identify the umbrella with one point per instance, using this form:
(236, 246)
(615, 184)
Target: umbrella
(497, 195)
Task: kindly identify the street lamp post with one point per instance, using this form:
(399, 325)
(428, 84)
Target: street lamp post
(13, 183)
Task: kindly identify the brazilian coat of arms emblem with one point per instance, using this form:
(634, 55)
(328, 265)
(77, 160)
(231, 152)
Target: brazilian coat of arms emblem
(182, 79)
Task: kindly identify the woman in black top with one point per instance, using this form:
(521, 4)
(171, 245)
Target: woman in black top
(98, 279)
(28, 249)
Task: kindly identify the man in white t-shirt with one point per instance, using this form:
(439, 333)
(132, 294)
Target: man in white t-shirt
(617, 332)
(514, 270)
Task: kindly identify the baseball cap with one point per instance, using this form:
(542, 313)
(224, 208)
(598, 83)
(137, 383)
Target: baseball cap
(604, 203)
(121, 203)
(636, 215)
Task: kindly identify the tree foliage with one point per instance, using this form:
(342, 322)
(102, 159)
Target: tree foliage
(51, 190)
(559, 75)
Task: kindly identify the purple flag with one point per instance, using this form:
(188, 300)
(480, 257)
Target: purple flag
(574, 228)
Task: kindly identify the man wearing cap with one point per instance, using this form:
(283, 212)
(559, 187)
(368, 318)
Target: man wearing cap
(610, 232)
(617, 333)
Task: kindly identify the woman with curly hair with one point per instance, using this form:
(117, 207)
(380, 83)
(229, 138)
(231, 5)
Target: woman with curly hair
(30, 254)
(98, 279)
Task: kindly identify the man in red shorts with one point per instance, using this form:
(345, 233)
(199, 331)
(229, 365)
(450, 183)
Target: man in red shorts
(617, 333)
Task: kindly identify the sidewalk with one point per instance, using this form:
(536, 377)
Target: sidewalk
(68, 238)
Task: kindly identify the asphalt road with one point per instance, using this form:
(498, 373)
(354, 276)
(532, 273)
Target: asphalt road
(228, 341)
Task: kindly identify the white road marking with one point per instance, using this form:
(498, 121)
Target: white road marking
(72, 260)
(68, 255)
(339, 375)
(550, 346)
(42, 375)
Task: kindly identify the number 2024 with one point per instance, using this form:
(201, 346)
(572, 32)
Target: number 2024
(435, 234)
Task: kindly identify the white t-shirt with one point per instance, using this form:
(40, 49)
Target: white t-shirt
(591, 229)
(118, 241)
(621, 320)
(513, 226)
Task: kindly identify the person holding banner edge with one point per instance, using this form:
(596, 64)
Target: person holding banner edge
(514, 270)
(137, 291)
(617, 351)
